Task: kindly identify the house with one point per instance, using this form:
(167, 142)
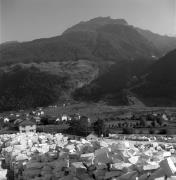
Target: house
(76, 116)
(27, 126)
(37, 119)
(42, 113)
(58, 119)
(64, 117)
(6, 120)
(86, 119)
(164, 117)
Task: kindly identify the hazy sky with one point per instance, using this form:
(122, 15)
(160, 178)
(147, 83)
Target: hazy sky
(30, 19)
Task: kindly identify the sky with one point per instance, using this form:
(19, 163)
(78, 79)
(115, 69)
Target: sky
(24, 20)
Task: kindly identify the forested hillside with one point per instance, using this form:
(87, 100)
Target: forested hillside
(160, 85)
(24, 88)
(93, 60)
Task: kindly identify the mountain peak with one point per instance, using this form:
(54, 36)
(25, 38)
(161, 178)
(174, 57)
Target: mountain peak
(108, 20)
(95, 23)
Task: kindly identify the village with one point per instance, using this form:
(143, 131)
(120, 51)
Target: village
(46, 156)
(52, 121)
(54, 144)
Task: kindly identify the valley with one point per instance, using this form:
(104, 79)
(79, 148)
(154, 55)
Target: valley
(87, 90)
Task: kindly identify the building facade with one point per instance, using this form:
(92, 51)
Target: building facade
(27, 127)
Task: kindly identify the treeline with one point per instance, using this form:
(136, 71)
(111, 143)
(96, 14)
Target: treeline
(23, 88)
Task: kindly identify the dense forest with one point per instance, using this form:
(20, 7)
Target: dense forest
(160, 85)
(29, 87)
(110, 86)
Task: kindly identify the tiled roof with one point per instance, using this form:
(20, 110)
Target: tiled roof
(27, 123)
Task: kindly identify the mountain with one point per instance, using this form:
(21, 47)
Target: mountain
(93, 24)
(159, 88)
(164, 44)
(107, 86)
(115, 39)
(97, 58)
(110, 86)
(98, 39)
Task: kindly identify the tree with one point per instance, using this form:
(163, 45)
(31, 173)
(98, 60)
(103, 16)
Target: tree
(159, 121)
(163, 131)
(143, 122)
(79, 127)
(128, 131)
(153, 123)
(99, 127)
(151, 131)
(45, 120)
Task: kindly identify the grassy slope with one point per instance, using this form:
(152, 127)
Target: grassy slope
(79, 72)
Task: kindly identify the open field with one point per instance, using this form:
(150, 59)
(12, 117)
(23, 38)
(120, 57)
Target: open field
(101, 108)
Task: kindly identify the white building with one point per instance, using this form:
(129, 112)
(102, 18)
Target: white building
(6, 120)
(27, 126)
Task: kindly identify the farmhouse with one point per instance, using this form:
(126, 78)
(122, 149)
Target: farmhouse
(27, 126)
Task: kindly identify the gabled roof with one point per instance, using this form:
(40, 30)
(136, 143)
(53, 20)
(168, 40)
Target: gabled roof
(18, 121)
(27, 123)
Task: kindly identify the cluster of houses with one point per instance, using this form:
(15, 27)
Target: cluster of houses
(25, 121)
(28, 121)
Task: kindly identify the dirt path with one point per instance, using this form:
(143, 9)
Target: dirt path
(131, 97)
(133, 100)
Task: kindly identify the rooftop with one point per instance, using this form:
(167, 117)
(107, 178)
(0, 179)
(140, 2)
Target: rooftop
(27, 123)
